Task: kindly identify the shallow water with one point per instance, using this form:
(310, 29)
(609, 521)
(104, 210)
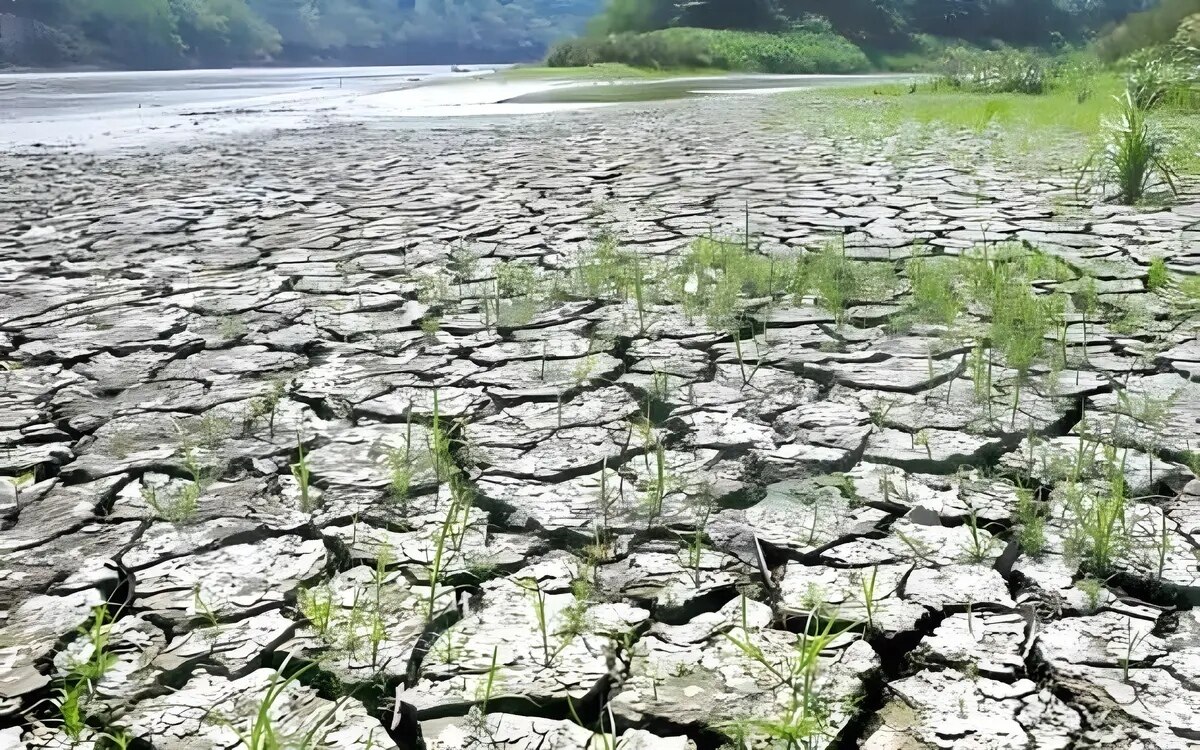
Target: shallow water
(100, 111)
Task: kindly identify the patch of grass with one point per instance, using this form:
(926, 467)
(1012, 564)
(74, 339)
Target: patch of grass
(840, 282)
(934, 298)
(1031, 524)
(1057, 129)
(181, 506)
(717, 274)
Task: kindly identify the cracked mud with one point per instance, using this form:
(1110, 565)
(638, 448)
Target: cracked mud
(491, 436)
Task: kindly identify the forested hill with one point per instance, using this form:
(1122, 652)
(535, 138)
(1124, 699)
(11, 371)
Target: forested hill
(178, 33)
(886, 23)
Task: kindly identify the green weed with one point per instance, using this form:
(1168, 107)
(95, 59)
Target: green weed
(1133, 154)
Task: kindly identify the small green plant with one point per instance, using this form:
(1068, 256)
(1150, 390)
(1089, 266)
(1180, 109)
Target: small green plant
(538, 602)
(316, 605)
(804, 721)
(261, 732)
(868, 592)
(933, 299)
(99, 658)
(1133, 153)
(114, 739)
(1132, 641)
(303, 476)
(182, 505)
(400, 479)
(430, 326)
(1031, 524)
(202, 607)
(921, 438)
(70, 711)
(840, 281)
(657, 489)
(1018, 331)
(489, 686)
(1092, 588)
(437, 561)
(212, 431)
(82, 674)
(266, 406)
(1157, 276)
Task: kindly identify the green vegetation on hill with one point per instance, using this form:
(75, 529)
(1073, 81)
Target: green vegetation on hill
(800, 51)
(1168, 21)
(174, 33)
(837, 35)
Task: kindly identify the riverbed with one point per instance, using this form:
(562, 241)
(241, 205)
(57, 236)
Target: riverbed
(102, 111)
(582, 415)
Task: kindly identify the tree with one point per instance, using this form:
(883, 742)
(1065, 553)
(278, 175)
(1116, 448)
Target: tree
(135, 32)
(730, 14)
(216, 31)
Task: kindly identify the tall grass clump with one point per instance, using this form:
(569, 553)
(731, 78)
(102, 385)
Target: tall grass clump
(1133, 154)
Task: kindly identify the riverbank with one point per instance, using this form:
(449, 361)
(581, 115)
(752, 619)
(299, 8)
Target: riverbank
(99, 111)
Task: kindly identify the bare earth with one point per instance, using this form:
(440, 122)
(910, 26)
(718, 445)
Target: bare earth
(175, 321)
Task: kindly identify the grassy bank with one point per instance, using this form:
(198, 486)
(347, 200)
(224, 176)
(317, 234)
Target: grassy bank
(690, 48)
(1077, 127)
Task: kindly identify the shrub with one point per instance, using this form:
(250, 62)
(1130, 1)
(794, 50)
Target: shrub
(998, 72)
(1164, 75)
(798, 51)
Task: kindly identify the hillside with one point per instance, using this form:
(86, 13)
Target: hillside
(181, 33)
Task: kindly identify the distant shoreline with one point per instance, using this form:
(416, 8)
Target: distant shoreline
(471, 67)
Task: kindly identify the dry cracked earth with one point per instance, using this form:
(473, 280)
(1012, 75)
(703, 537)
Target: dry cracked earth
(311, 440)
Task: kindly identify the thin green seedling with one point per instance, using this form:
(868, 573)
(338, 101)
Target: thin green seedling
(657, 491)
(262, 734)
(316, 606)
(1131, 643)
(490, 685)
(806, 714)
(868, 592)
(436, 564)
(116, 739)
(99, 658)
(70, 711)
(267, 406)
(980, 548)
(202, 607)
(1031, 523)
(1157, 275)
(538, 601)
(303, 476)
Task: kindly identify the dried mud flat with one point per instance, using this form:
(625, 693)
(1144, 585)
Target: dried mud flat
(375, 438)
